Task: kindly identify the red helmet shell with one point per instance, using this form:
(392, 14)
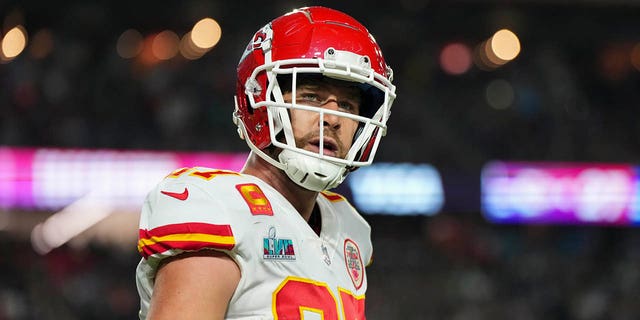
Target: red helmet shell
(304, 33)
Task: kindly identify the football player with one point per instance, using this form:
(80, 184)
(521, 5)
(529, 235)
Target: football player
(271, 242)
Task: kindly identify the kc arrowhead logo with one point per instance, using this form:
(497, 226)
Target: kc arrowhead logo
(180, 196)
(353, 260)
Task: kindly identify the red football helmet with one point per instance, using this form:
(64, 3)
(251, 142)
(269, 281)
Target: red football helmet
(311, 41)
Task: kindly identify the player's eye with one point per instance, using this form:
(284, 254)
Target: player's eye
(309, 97)
(348, 106)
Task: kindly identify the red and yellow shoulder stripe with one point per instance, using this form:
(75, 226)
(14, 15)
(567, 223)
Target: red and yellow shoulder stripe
(202, 173)
(332, 196)
(185, 236)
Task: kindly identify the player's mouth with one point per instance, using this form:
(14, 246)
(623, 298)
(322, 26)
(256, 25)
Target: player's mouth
(330, 146)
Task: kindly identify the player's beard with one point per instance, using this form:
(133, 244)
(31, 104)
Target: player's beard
(301, 142)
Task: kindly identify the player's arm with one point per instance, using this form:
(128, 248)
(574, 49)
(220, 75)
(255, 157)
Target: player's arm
(194, 286)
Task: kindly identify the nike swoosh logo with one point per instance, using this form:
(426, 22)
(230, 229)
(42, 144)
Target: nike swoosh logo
(180, 196)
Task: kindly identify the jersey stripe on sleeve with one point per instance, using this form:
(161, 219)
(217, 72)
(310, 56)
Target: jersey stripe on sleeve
(185, 236)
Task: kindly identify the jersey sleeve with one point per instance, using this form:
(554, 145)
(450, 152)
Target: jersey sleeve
(182, 214)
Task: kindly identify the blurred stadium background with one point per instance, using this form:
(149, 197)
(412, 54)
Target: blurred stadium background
(506, 188)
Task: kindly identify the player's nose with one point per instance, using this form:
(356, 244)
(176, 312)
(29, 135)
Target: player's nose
(331, 120)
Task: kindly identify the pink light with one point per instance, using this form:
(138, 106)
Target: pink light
(54, 178)
(16, 177)
(455, 58)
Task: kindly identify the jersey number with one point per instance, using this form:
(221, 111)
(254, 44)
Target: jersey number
(299, 299)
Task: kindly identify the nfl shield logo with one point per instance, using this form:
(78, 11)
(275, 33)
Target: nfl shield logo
(353, 261)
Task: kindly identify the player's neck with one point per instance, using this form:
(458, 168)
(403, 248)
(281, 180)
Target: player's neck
(301, 199)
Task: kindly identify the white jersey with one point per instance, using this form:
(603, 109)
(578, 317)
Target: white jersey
(287, 270)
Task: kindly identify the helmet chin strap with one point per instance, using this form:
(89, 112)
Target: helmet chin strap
(311, 173)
